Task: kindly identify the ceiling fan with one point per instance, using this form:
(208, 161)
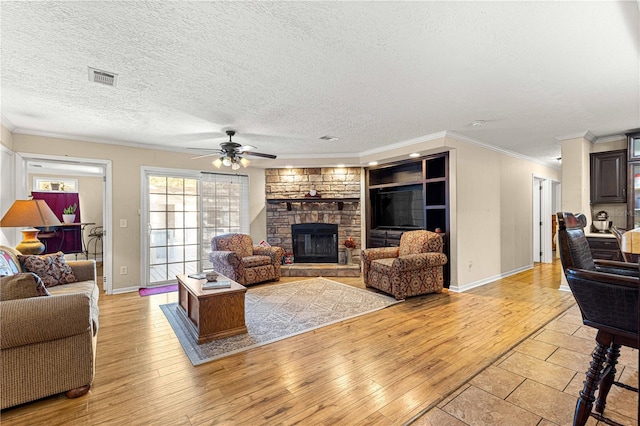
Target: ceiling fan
(232, 153)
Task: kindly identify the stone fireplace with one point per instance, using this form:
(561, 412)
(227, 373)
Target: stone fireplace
(337, 202)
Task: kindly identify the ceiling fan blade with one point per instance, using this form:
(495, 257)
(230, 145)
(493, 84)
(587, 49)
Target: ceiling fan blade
(259, 154)
(245, 148)
(204, 155)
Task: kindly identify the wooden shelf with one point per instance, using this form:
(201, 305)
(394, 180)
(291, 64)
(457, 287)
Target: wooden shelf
(288, 201)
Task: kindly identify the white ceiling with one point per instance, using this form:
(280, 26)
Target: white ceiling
(374, 74)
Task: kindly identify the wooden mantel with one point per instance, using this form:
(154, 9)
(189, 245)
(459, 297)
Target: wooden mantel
(340, 201)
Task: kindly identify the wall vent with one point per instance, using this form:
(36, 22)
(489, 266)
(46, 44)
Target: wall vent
(103, 77)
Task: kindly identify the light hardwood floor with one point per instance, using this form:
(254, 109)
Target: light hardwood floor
(382, 368)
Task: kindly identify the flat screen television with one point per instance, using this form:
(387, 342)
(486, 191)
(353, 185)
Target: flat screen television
(401, 207)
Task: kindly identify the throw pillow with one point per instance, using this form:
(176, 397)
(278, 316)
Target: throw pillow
(21, 286)
(52, 268)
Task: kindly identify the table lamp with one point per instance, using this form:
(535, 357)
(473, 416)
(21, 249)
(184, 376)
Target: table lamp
(31, 213)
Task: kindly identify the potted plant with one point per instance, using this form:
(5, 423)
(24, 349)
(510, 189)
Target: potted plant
(69, 213)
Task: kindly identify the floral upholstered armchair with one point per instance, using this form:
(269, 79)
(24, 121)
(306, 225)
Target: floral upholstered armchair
(413, 268)
(235, 257)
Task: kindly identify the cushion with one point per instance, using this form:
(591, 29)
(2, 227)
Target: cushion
(383, 265)
(21, 286)
(7, 264)
(52, 268)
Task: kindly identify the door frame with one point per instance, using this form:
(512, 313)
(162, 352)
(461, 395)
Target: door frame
(145, 278)
(21, 159)
(542, 200)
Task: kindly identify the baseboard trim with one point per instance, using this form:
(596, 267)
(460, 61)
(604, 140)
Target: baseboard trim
(124, 290)
(479, 283)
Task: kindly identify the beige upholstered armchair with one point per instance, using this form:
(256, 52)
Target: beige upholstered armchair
(413, 268)
(235, 256)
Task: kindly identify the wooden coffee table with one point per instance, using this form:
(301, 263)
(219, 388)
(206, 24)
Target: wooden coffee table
(211, 314)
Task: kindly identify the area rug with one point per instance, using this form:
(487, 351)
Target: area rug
(158, 290)
(276, 312)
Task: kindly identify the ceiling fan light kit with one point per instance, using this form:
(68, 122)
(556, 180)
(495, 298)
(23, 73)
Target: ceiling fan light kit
(231, 154)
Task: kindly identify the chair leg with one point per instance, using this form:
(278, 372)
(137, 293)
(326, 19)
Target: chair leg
(610, 367)
(585, 402)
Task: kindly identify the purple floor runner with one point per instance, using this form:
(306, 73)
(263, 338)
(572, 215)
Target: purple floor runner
(158, 290)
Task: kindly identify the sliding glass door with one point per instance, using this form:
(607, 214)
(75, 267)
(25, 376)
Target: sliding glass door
(182, 211)
(173, 227)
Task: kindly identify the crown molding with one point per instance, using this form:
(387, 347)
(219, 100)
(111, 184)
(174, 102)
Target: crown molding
(97, 140)
(585, 135)
(347, 158)
(485, 145)
(611, 138)
(403, 144)
(7, 124)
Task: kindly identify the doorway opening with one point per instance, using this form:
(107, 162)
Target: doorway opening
(93, 178)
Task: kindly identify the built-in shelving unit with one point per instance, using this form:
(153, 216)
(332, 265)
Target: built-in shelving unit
(407, 195)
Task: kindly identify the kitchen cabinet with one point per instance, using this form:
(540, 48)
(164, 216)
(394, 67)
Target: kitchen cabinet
(609, 177)
(605, 248)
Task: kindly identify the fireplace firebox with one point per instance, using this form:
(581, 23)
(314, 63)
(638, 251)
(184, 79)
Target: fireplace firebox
(315, 242)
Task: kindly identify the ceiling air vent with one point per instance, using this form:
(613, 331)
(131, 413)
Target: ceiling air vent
(103, 77)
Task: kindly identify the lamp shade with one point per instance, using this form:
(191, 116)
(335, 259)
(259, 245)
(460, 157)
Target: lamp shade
(34, 213)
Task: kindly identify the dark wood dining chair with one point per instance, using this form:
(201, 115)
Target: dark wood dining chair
(607, 294)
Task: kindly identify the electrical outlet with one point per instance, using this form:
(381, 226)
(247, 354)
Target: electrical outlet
(123, 223)
(123, 270)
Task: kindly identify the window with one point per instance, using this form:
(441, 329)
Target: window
(55, 184)
(225, 207)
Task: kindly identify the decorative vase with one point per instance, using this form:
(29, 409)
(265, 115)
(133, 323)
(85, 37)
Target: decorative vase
(349, 255)
(68, 218)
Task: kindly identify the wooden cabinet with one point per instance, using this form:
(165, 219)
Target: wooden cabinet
(605, 248)
(408, 195)
(609, 177)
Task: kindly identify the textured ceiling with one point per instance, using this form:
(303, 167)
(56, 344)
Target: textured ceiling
(282, 74)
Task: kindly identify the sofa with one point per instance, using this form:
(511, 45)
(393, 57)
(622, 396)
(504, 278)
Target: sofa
(48, 338)
(235, 257)
(415, 267)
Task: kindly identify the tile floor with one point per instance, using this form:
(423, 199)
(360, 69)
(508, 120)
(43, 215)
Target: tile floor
(538, 382)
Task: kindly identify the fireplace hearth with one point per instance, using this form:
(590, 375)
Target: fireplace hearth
(315, 242)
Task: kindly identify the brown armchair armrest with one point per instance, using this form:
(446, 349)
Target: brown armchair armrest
(379, 253)
(225, 257)
(412, 262)
(604, 278)
(620, 268)
(227, 263)
(275, 253)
